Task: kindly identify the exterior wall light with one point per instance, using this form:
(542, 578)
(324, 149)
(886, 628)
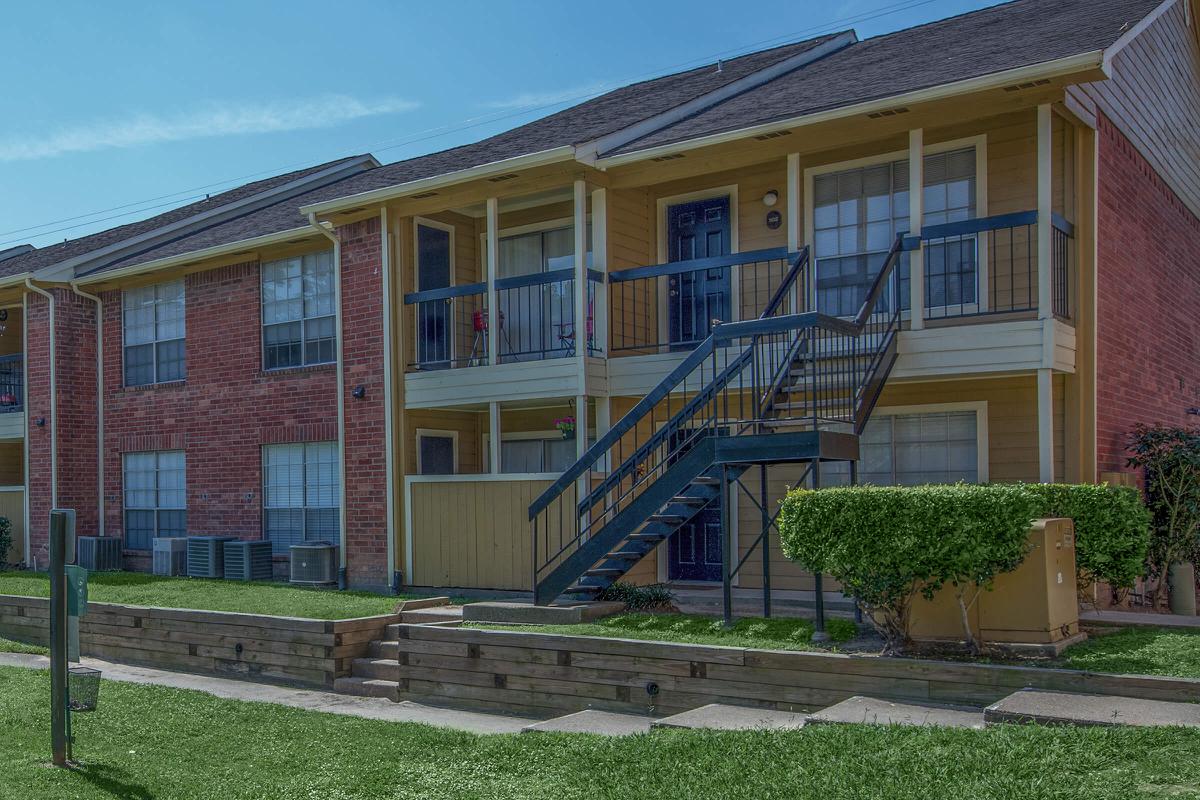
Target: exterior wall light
(770, 198)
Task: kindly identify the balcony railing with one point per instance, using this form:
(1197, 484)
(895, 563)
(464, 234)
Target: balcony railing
(12, 383)
(535, 320)
(674, 306)
(989, 266)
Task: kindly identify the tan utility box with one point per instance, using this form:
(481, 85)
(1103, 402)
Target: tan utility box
(1034, 604)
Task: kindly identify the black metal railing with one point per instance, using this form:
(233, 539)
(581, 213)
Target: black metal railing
(12, 383)
(989, 265)
(675, 306)
(535, 320)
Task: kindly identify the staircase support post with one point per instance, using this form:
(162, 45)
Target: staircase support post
(819, 634)
(766, 540)
(726, 560)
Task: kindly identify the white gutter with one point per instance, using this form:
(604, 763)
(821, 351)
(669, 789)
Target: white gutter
(99, 403)
(194, 255)
(341, 393)
(389, 425)
(995, 80)
(552, 156)
(53, 400)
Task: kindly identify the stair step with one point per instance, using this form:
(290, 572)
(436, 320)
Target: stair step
(1065, 708)
(605, 572)
(602, 723)
(428, 615)
(626, 555)
(368, 687)
(375, 668)
(722, 717)
(705, 480)
(382, 648)
(646, 537)
(872, 711)
(667, 519)
(691, 501)
(583, 589)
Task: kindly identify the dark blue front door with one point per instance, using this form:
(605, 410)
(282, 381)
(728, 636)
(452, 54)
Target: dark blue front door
(696, 298)
(694, 550)
(434, 344)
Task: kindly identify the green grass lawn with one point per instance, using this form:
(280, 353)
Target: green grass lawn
(9, 646)
(765, 634)
(276, 599)
(151, 742)
(1140, 651)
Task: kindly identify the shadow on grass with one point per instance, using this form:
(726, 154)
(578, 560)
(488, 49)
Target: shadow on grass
(113, 781)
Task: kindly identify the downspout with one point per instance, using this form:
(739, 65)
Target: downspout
(53, 399)
(385, 258)
(341, 393)
(25, 405)
(99, 402)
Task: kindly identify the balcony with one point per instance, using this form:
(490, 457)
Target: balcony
(12, 383)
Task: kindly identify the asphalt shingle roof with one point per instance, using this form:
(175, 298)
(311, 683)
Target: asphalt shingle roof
(979, 43)
(55, 253)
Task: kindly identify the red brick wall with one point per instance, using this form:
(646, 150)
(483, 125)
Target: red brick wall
(1148, 299)
(362, 361)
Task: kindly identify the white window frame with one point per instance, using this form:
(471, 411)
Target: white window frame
(304, 506)
(155, 341)
(524, 436)
(978, 142)
(303, 319)
(980, 407)
(440, 434)
(157, 508)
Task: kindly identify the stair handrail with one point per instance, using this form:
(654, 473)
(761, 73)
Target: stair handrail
(689, 364)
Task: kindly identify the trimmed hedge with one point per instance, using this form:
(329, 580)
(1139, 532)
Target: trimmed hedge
(884, 544)
(1112, 529)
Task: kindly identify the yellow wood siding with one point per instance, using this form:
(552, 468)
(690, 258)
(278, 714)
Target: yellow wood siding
(12, 506)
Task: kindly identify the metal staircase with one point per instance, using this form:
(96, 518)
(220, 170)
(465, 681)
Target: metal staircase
(791, 386)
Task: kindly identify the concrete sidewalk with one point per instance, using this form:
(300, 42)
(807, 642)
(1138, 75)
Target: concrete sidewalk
(1123, 619)
(306, 699)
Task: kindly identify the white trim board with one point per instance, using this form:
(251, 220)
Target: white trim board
(980, 407)
(435, 433)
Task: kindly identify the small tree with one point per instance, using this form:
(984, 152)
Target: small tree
(5, 541)
(1170, 459)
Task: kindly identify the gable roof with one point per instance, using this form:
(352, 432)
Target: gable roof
(600, 116)
(41, 258)
(995, 39)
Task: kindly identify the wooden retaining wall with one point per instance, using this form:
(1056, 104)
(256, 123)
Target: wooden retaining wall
(277, 649)
(538, 673)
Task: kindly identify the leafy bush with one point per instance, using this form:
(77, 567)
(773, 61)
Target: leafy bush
(840, 630)
(885, 544)
(1112, 529)
(5, 540)
(656, 596)
(1170, 459)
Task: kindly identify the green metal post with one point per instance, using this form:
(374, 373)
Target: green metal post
(726, 563)
(766, 540)
(59, 738)
(819, 634)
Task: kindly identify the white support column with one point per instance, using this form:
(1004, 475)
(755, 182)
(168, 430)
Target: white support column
(600, 264)
(581, 425)
(916, 196)
(791, 204)
(1045, 411)
(493, 267)
(494, 438)
(579, 225)
(1045, 200)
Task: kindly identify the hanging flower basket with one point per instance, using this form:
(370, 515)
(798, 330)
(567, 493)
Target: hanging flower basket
(566, 426)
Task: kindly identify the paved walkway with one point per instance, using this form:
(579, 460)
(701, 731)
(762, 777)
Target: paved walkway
(309, 700)
(1137, 619)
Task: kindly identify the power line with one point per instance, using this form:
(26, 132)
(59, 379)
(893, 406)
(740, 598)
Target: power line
(139, 206)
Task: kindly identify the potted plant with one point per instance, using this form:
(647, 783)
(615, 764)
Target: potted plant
(566, 426)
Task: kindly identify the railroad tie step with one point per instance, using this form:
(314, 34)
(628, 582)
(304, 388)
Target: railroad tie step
(368, 687)
(375, 668)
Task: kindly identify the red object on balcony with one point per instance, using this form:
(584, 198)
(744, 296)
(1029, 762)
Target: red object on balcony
(479, 320)
(8, 399)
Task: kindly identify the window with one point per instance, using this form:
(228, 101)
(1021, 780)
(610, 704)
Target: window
(538, 454)
(915, 449)
(300, 494)
(437, 452)
(153, 323)
(155, 497)
(858, 212)
(298, 312)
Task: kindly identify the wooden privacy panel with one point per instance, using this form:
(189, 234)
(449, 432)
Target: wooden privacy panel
(472, 534)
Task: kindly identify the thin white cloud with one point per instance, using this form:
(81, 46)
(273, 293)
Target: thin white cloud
(539, 99)
(207, 122)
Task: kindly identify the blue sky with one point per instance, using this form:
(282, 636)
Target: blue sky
(112, 112)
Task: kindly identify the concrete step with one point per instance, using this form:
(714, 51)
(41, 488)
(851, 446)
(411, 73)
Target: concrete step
(423, 616)
(602, 723)
(722, 717)
(871, 711)
(1066, 708)
(386, 669)
(368, 687)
